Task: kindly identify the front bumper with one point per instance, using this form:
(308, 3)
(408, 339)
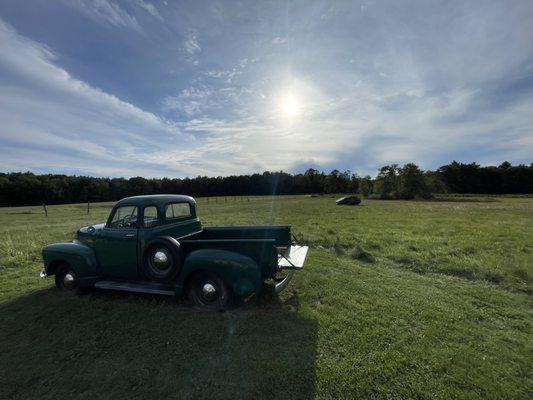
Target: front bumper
(292, 258)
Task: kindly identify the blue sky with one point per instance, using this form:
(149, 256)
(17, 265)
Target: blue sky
(164, 88)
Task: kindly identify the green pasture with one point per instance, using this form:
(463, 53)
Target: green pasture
(398, 299)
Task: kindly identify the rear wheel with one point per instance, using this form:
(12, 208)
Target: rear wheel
(208, 291)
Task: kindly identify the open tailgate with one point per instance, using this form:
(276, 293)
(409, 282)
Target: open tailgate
(293, 257)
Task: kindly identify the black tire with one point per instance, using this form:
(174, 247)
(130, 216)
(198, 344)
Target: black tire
(61, 278)
(163, 259)
(206, 290)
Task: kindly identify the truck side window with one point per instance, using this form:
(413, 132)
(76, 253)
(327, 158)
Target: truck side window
(125, 217)
(177, 210)
(150, 216)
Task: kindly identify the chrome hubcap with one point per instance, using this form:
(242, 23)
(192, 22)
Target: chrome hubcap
(209, 291)
(160, 259)
(68, 280)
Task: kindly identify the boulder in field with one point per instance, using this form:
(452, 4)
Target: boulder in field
(349, 200)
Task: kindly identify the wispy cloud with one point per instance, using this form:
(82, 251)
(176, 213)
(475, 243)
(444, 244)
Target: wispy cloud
(150, 8)
(189, 101)
(191, 44)
(191, 48)
(107, 12)
(228, 75)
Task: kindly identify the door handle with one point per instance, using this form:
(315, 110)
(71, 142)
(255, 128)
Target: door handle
(129, 235)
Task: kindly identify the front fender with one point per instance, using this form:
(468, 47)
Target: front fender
(240, 272)
(80, 258)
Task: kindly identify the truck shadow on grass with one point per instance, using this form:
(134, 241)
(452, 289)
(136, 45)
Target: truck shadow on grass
(54, 345)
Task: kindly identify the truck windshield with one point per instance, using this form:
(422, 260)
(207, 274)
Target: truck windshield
(124, 217)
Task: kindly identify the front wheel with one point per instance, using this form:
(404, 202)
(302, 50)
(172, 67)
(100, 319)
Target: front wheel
(66, 278)
(163, 259)
(208, 291)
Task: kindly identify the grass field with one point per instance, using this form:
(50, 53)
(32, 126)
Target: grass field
(398, 299)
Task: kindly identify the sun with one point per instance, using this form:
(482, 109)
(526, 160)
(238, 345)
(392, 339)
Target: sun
(290, 106)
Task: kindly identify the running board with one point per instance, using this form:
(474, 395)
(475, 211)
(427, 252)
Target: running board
(138, 287)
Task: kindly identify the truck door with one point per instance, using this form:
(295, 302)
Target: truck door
(116, 246)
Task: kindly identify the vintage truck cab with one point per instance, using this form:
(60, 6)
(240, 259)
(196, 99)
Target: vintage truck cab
(157, 244)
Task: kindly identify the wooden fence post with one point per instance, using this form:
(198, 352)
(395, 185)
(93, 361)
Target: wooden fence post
(88, 206)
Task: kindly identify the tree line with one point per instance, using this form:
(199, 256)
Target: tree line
(392, 182)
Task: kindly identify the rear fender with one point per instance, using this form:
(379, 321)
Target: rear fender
(239, 272)
(77, 255)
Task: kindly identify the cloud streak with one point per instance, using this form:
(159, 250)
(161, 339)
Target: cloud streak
(106, 12)
(66, 120)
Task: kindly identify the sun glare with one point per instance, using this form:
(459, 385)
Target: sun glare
(290, 106)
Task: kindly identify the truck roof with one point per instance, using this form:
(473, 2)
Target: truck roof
(156, 198)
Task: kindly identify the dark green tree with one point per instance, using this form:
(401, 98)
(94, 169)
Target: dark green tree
(412, 183)
(386, 185)
(366, 186)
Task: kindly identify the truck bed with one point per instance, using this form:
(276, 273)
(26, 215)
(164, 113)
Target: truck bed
(281, 234)
(260, 243)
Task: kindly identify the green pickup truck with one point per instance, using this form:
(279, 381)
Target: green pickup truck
(156, 244)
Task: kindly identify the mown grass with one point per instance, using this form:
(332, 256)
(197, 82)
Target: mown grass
(397, 300)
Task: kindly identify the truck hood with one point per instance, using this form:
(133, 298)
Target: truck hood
(90, 230)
